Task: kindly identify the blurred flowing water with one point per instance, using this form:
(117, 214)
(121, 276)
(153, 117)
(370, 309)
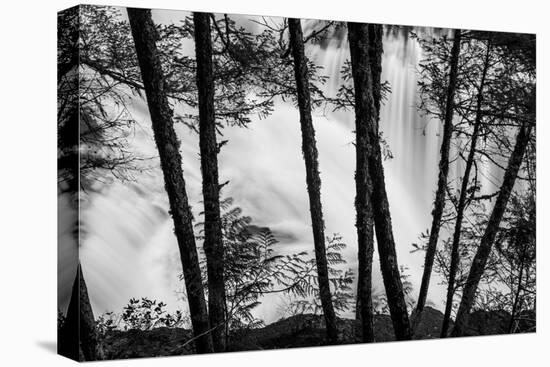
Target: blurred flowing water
(130, 250)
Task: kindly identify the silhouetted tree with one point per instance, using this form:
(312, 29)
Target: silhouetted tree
(462, 200)
(368, 148)
(145, 35)
(313, 179)
(486, 244)
(213, 243)
(513, 103)
(439, 202)
(363, 206)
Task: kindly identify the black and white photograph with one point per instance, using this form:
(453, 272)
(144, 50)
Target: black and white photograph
(234, 182)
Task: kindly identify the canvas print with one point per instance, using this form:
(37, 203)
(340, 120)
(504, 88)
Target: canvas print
(237, 183)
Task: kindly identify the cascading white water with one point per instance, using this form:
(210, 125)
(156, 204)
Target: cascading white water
(130, 250)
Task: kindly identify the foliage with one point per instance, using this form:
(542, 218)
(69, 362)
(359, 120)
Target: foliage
(345, 101)
(509, 277)
(254, 269)
(93, 121)
(345, 96)
(505, 96)
(379, 300)
(146, 314)
(306, 298)
(141, 314)
(107, 322)
(251, 267)
(503, 104)
(248, 70)
(511, 281)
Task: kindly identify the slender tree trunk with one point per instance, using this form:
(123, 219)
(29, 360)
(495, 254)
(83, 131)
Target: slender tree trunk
(363, 187)
(313, 179)
(367, 142)
(439, 203)
(375, 50)
(145, 34)
(518, 290)
(78, 337)
(213, 242)
(365, 240)
(486, 244)
(461, 206)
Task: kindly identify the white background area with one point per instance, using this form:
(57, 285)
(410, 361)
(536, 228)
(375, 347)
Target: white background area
(28, 231)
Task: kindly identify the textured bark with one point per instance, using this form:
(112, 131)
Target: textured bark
(439, 202)
(517, 293)
(313, 178)
(213, 242)
(367, 142)
(363, 188)
(461, 205)
(145, 35)
(365, 241)
(78, 337)
(486, 244)
(375, 50)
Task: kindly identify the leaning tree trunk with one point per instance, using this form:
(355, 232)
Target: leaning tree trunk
(313, 178)
(517, 293)
(363, 188)
(213, 242)
(78, 337)
(367, 142)
(145, 34)
(461, 205)
(439, 202)
(486, 244)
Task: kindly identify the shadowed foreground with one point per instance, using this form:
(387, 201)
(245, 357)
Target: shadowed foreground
(295, 332)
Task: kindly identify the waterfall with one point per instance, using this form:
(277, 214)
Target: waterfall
(130, 249)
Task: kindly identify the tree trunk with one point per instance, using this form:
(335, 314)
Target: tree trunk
(461, 206)
(439, 203)
(145, 35)
(313, 178)
(213, 242)
(367, 144)
(486, 244)
(365, 241)
(363, 187)
(517, 293)
(375, 50)
(78, 337)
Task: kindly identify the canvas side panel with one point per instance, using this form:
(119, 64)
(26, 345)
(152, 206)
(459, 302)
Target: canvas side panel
(68, 180)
